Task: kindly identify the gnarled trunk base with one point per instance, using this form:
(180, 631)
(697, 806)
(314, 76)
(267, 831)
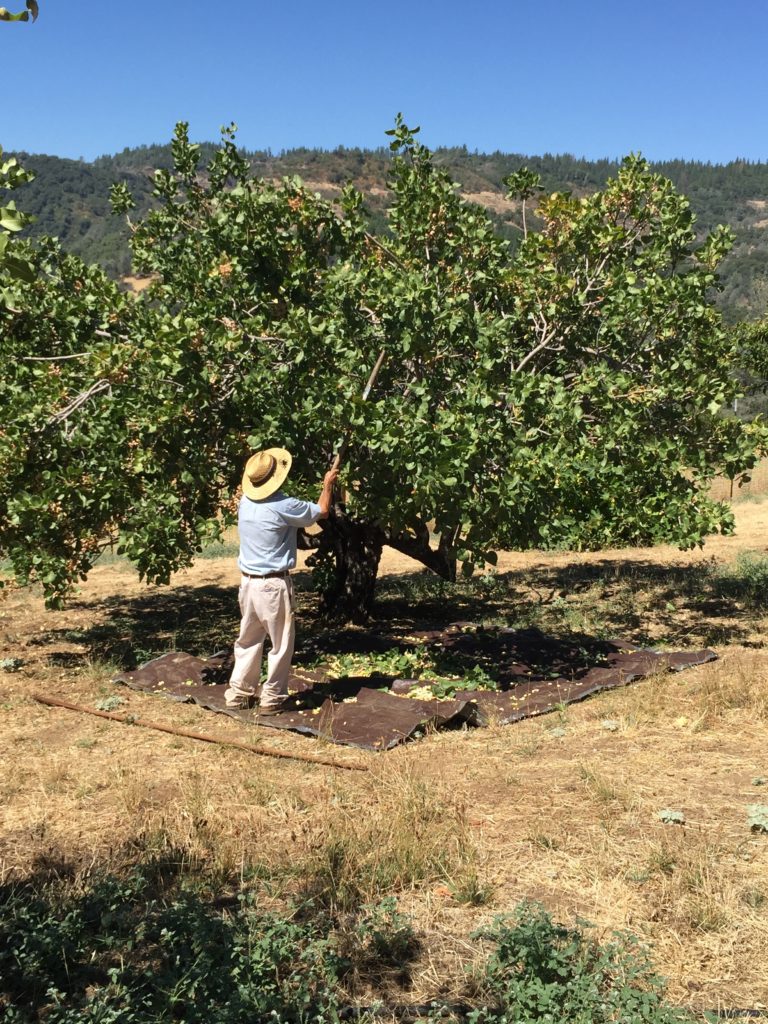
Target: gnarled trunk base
(348, 552)
(356, 548)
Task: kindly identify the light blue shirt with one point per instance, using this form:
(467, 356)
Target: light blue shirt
(268, 532)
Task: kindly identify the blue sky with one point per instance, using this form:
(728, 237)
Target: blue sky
(594, 78)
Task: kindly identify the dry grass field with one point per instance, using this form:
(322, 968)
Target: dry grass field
(459, 826)
(755, 487)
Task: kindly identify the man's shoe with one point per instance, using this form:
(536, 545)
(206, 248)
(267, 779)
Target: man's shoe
(273, 709)
(241, 704)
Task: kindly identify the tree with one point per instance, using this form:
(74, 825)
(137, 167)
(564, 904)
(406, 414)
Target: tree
(565, 394)
(751, 340)
(752, 344)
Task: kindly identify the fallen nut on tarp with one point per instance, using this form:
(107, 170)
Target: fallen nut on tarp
(55, 702)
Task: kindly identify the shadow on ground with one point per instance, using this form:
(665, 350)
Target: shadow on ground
(134, 630)
(645, 602)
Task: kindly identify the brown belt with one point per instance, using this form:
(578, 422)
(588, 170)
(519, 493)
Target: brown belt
(268, 575)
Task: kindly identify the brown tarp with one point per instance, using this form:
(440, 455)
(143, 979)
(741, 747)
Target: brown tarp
(536, 674)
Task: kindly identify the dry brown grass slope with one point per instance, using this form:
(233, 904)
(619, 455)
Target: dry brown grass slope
(461, 825)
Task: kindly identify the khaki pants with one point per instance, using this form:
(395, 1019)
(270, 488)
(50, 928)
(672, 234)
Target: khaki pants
(267, 610)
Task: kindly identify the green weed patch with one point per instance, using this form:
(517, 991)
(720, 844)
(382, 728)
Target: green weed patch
(746, 581)
(543, 971)
(135, 949)
(122, 951)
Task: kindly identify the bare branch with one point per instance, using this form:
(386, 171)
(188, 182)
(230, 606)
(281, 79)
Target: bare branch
(548, 336)
(264, 337)
(107, 334)
(371, 315)
(387, 252)
(53, 359)
(82, 398)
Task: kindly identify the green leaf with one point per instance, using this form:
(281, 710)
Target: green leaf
(11, 219)
(110, 703)
(21, 269)
(757, 817)
(670, 817)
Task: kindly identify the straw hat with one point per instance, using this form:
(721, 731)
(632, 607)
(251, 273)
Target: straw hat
(265, 472)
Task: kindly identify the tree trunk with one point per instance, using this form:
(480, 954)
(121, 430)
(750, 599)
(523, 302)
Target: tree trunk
(346, 561)
(356, 550)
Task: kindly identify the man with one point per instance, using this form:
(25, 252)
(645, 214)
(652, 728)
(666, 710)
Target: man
(268, 522)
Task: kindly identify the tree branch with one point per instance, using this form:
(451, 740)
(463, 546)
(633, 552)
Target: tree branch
(535, 351)
(387, 252)
(107, 334)
(82, 398)
(440, 561)
(53, 359)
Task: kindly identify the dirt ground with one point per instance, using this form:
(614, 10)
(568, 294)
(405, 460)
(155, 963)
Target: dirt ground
(563, 809)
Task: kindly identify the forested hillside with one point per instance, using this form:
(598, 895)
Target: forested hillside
(70, 199)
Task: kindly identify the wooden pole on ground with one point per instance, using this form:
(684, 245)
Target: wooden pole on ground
(56, 702)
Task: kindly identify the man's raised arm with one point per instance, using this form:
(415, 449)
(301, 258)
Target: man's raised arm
(325, 499)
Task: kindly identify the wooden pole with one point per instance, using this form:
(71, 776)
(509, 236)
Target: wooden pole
(366, 391)
(55, 702)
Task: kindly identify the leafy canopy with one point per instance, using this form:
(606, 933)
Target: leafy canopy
(564, 394)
